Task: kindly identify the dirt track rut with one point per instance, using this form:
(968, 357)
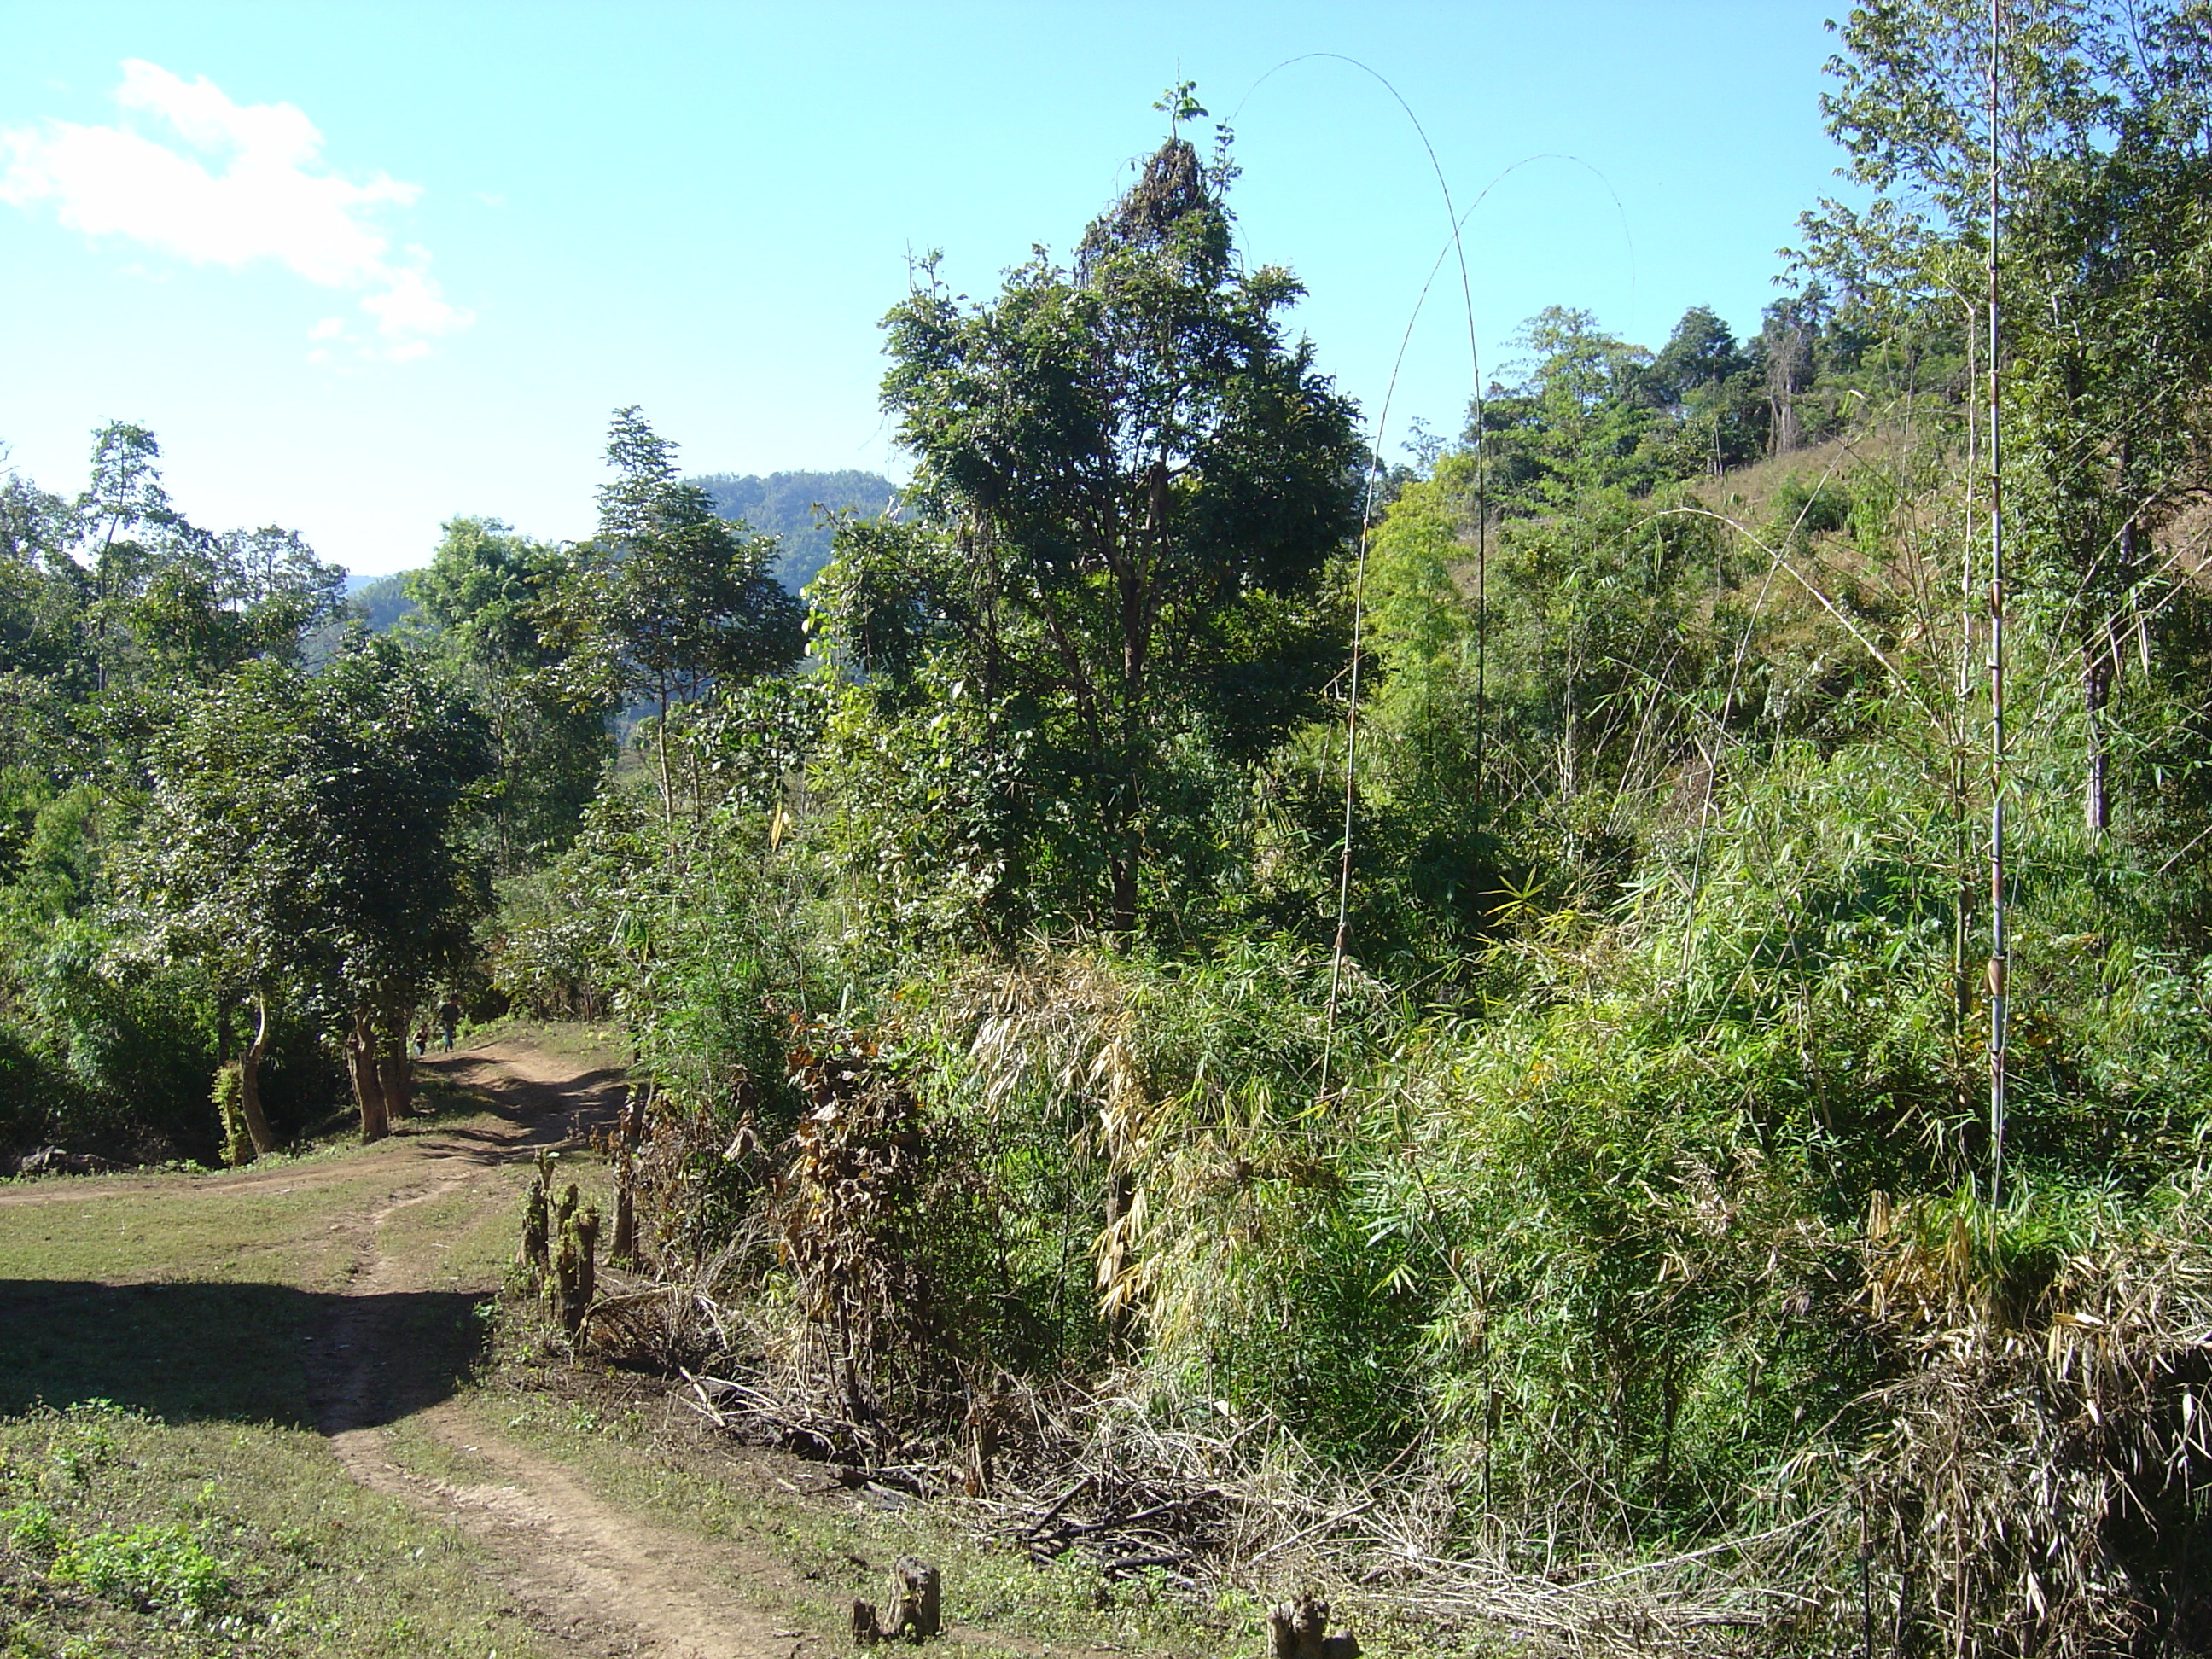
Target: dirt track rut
(600, 1582)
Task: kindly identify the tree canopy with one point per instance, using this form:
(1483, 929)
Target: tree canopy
(1130, 487)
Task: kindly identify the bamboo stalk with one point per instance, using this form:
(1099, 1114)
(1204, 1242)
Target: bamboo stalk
(1999, 953)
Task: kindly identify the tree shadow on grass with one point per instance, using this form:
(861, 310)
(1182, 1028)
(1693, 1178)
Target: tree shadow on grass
(533, 1113)
(529, 1114)
(233, 1353)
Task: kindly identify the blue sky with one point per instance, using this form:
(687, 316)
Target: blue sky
(364, 267)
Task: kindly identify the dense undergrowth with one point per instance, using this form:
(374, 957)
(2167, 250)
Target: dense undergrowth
(1616, 1226)
(1670, 1234)
(1469, 983)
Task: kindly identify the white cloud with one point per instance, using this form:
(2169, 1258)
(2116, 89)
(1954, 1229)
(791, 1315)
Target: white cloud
(248, 185)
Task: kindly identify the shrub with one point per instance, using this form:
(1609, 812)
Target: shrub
(152, 1568)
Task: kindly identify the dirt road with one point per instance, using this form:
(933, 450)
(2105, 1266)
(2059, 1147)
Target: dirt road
(336, 1298)
(362, 1268)
(599, 1581)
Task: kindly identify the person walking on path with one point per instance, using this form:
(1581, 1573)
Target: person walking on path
(449, 1016)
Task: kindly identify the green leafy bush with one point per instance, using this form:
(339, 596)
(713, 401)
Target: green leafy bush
(151, 1568)
(32, 1530)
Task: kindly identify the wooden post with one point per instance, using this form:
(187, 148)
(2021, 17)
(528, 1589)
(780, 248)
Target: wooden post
(1299, 1629)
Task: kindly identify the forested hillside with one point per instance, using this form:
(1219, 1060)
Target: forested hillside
(1451, 1017)
(380, 601)
(797, 508)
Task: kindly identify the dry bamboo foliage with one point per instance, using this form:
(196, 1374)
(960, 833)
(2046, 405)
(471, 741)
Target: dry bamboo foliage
(2010, 1454)
(2040, 1470)
(2014, 1487)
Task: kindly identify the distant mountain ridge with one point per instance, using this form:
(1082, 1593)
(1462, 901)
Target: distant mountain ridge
(778, 504)
(782, 505)
(380, 601)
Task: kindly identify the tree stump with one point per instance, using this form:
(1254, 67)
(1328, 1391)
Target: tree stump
(632, 1123)
(983, 1424)
(914, 1611)
(537, 1235)
(573, 1270)
(623, 1249)
(1299, 1629)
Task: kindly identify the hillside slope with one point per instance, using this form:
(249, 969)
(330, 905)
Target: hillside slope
(784, 505)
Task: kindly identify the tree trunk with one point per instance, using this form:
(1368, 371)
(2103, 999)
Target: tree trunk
(2096, 692)
(367, 1087)
(915, 1612)
(661, 752)
(1134, 579)
(622, 1252)
(1789, 356)
(2100, 667)
(1124, 872)
(249, 1081)
(398, 1078)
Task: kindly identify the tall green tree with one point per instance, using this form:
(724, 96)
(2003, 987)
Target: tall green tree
(307, 843)
(226, 874)
(158, 600)
(125, 525)
(212, 602)
(42, 658)
(1577, 419)
(1707, 381)
(1130, 484)
(482, 594)
(667, 600)
(2104, 291)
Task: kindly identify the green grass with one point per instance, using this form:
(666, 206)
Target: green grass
(185, 1300)
(124, 1535)
(465, 1241)
(190, 1299)
(163, 1485)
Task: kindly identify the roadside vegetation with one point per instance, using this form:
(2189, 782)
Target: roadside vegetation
(126, 1534)
(1240, 1011)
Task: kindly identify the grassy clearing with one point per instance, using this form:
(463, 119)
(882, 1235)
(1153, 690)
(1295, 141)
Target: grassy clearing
(459, 1239)
(182, 1298)
(195, 1298)
(162, 1486)
(122, 1534)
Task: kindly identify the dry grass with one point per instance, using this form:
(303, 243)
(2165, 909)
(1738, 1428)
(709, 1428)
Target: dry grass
(2029, 1481)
